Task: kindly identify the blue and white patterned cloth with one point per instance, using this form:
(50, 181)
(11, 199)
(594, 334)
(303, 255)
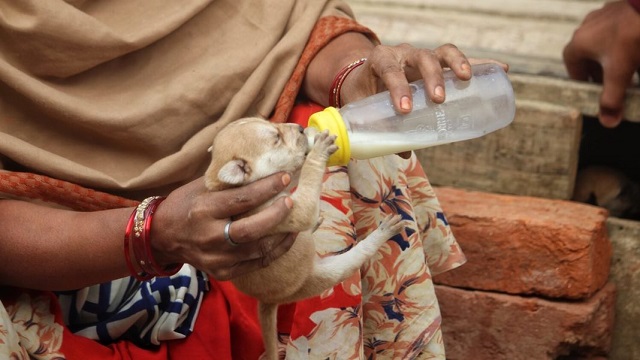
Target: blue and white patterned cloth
(146, 312)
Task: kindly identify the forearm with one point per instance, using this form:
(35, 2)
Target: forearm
(53, 249)
(340, 52)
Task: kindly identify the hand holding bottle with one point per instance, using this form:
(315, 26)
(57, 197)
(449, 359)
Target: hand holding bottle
(373, 127)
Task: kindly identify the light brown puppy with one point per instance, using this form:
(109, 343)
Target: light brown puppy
(608, 188)
(252, 148)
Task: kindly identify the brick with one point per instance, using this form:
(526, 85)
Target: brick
(527, 245)
(482, 325)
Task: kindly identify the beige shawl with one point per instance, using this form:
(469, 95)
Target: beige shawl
(127, 95)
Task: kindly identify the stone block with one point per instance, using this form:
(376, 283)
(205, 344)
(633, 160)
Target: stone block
(625, 274)
(527, 245)
(482, 325)
(581, 95)
(536, 155)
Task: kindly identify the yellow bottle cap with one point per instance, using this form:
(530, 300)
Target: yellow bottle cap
(330, 119)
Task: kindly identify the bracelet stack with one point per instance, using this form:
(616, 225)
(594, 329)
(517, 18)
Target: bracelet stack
(137, 243)
(635, 4)
(336, 87)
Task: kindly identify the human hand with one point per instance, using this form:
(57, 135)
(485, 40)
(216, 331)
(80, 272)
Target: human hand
(189, 227)
(606, 49)
(394, 67)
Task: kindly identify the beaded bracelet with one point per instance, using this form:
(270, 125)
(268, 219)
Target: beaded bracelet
(137, 240)
(635, 4)
(336, 86)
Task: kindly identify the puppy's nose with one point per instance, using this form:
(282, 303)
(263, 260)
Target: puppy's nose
(300, 128)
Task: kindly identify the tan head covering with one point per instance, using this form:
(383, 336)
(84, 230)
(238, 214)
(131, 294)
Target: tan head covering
(128, 95)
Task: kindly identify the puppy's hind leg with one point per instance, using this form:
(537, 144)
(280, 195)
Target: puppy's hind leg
(332, 270)
(268, 315)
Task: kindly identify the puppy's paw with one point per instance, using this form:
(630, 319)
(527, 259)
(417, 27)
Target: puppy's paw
(324, 143)
(391, 225)
(318, 223)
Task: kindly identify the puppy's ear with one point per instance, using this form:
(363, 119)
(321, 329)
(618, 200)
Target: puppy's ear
(234, 172)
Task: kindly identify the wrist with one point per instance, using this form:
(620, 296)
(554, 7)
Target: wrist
(340, 52)
(335, 92)
(138, 250)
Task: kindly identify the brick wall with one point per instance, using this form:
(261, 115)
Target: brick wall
(536, 282)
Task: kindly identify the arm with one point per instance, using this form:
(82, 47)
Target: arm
(54, 249)
(45, 248)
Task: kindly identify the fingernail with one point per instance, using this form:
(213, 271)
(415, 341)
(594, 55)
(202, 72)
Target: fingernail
(286, 179)
(466, 67)
(610, 118)
(405, 103)
(288, 202)
(439, 91)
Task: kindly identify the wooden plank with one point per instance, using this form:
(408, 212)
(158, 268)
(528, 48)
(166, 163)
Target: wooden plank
(527, 34)
(567, 10)
(539, 28)
(537, 155)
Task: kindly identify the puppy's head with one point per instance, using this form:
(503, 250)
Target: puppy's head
(252, 148)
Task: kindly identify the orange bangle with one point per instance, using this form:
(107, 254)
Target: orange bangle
(336, 86)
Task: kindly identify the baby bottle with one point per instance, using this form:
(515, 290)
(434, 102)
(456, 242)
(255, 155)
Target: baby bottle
(371, 127)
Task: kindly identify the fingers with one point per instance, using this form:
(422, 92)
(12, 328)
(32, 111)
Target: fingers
(397, 66)
(604, 49)
(388, 63)
(576, 65)
(245, 260)
(242, 199)
(254, 227)
(616, 79)
(475, 61)
(448, 56)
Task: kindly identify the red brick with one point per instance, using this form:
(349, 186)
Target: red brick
(527, 245)
(482, 325)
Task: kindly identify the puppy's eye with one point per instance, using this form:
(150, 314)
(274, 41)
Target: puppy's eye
(278, 138)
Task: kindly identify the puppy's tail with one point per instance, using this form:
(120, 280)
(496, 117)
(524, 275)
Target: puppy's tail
(268, 315)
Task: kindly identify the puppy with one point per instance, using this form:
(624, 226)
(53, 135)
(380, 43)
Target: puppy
(252, 148)
(608, 188)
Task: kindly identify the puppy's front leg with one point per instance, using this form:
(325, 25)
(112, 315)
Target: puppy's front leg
(306, 198)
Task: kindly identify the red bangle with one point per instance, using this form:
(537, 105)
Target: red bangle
(635, 4)
(336, 86)
(140, 275)
(157, 270)
(138, 240)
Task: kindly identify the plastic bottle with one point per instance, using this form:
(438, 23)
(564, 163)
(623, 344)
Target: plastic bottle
(371, 127)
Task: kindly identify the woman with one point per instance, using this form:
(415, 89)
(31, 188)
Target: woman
(106, 104)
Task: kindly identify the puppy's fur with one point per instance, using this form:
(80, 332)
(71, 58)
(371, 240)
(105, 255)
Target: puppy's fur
(252, 148)
(608, 188)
